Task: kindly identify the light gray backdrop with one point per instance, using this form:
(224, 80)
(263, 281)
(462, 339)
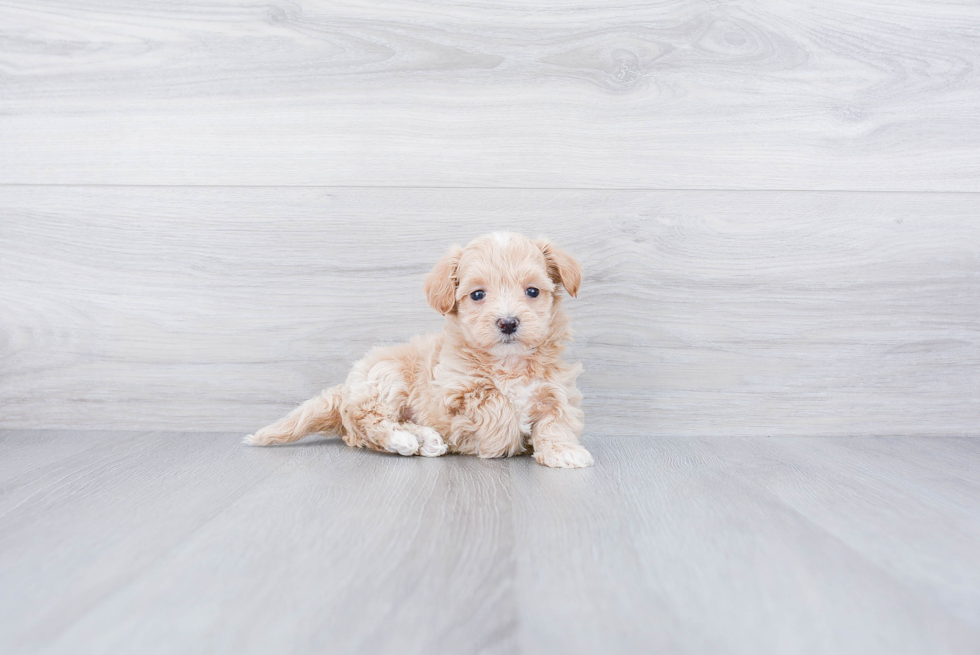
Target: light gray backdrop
(209, 210)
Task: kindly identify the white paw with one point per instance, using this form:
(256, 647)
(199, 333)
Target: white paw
(403, 442)
(565, 457)
(432, 443)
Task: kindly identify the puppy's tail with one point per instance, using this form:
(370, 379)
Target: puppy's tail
(319, 414)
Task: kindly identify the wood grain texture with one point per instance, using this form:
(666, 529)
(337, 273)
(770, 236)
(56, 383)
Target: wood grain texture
(77, 529)
(679, 94)
(686, 548)
(192, 543)
(702, 313)
(339, 554)
(890, 508)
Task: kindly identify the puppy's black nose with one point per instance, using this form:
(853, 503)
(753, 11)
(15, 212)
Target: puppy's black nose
(508, 325)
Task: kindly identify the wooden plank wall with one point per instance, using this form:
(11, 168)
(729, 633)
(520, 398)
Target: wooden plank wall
(209, 209)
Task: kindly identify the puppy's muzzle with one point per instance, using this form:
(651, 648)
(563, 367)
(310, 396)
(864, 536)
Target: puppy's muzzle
(508, 325)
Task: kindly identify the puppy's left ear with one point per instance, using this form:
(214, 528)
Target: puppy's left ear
(562, 267)
(440, 284)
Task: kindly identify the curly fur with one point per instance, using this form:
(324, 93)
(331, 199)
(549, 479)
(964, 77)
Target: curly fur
(472, 388)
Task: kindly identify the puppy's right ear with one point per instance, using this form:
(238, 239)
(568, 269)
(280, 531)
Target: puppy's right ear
(440, 284)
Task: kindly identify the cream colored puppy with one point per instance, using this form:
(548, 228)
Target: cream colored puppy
(491, 384)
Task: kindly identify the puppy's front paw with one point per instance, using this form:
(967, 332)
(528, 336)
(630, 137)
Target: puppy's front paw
(403, 442)
(564, 457)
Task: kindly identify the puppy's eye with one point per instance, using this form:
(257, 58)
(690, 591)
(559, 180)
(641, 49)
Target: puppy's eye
(478, 295)
(531, 292)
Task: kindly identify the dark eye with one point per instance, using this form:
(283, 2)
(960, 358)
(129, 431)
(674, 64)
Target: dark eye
(478, 295)
(531, 292)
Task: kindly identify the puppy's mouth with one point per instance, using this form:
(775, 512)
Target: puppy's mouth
(510, 345)
(506, 339)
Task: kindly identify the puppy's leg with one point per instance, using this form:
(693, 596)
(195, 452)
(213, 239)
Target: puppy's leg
(385, 434)
(555, 434)
(319, 414)
(431, 443)
(373, 412)
(388, 435)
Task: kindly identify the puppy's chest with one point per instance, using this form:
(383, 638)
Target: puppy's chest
(522, 395)
(488, 402)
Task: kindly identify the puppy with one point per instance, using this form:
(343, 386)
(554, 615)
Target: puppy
(491, 384)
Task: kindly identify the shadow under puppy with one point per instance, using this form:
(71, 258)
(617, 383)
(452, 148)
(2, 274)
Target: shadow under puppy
(491, 384)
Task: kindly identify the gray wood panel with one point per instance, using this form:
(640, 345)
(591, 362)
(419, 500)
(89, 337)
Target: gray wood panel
(674, 545)
(76, 530)
(681, 94)
(193, 543)
(702, 313)
(921, 527)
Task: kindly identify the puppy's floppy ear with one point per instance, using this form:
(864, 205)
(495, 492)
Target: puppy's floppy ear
(562, 267)
(440, 284)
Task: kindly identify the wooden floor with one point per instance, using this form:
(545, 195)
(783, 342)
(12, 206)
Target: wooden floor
(161, 542)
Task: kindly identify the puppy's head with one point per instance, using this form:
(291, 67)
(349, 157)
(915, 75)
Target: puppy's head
(503, 291)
